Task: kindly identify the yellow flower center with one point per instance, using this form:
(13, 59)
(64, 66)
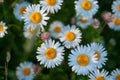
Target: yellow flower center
(99, 78)
(51, 2)
(57, 29)
(83, 60)
(1, 28)
(35, 17)
(50, 53)
(97, 55)
(83, 20)
(116, 21)
(86, 5)
(26, 71)
(118, 7)
(118, 77)
(70, 36)
(22, 10)
(30, 30)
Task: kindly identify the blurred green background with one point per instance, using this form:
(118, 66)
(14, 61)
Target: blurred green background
(15, 43)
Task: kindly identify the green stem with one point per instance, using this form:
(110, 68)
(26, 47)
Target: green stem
(6, 71)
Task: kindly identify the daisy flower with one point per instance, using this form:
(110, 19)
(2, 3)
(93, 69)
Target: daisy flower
(51, 6)
(81, 60)
(25, 71)
(70, 36)
(86, 7)
(3, 29)
(20, 9)
(115, 74)
(115, 24)
(34, 16)
(116, 8)
(56, 28)
(100, 53)
(29, 32)
(50, 53)
(97, 75)
(83, 22)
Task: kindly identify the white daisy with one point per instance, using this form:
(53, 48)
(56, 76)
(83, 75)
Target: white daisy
(86, 8)
(50, 53)
(30, 31)
(51, 6)
(56, 28)
(34, 16)
(25, 71)
(116, 8)
(115, 24)
(115, 74)
(83, 22)
(70, 36)
(100, 53)
(20, 9)
(97, 75)
(81, 60)
(3, 29)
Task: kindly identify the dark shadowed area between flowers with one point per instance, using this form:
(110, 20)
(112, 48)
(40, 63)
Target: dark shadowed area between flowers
(59, 39)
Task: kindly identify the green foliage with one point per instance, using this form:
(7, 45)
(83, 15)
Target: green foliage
(16, 44)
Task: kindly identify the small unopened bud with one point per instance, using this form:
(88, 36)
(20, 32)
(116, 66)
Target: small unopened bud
(95, 23)
(45, 36)
(1, 1)
(107, 16)
(112, 41)
(73, 21)
(8, 56)
(36, 68)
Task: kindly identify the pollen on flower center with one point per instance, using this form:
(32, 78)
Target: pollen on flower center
(118, 7)
(57, 29)
(86, 5)
(118, 77)
(83, 60)
(99, 78)
(35, 17)
(97, 55)
(83, 20)
(30, 30)
(50, 53)
(70, 36)
(1, 28)
(26, 71)
(116, 21)
(51, 2)
(22, 10)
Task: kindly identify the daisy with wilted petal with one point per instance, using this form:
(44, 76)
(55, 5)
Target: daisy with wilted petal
(115, 74)
(115, 24)
(34, 16)
(56, 28)
(20, 9)
(83, 22)
(30, 31)
(100, 53)
(70, 36)
(25, 71)
(3, 29)
(99, 75)
(86, 8)
(116, 8)
(50, 54)
(51, 6)
(81, 60)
